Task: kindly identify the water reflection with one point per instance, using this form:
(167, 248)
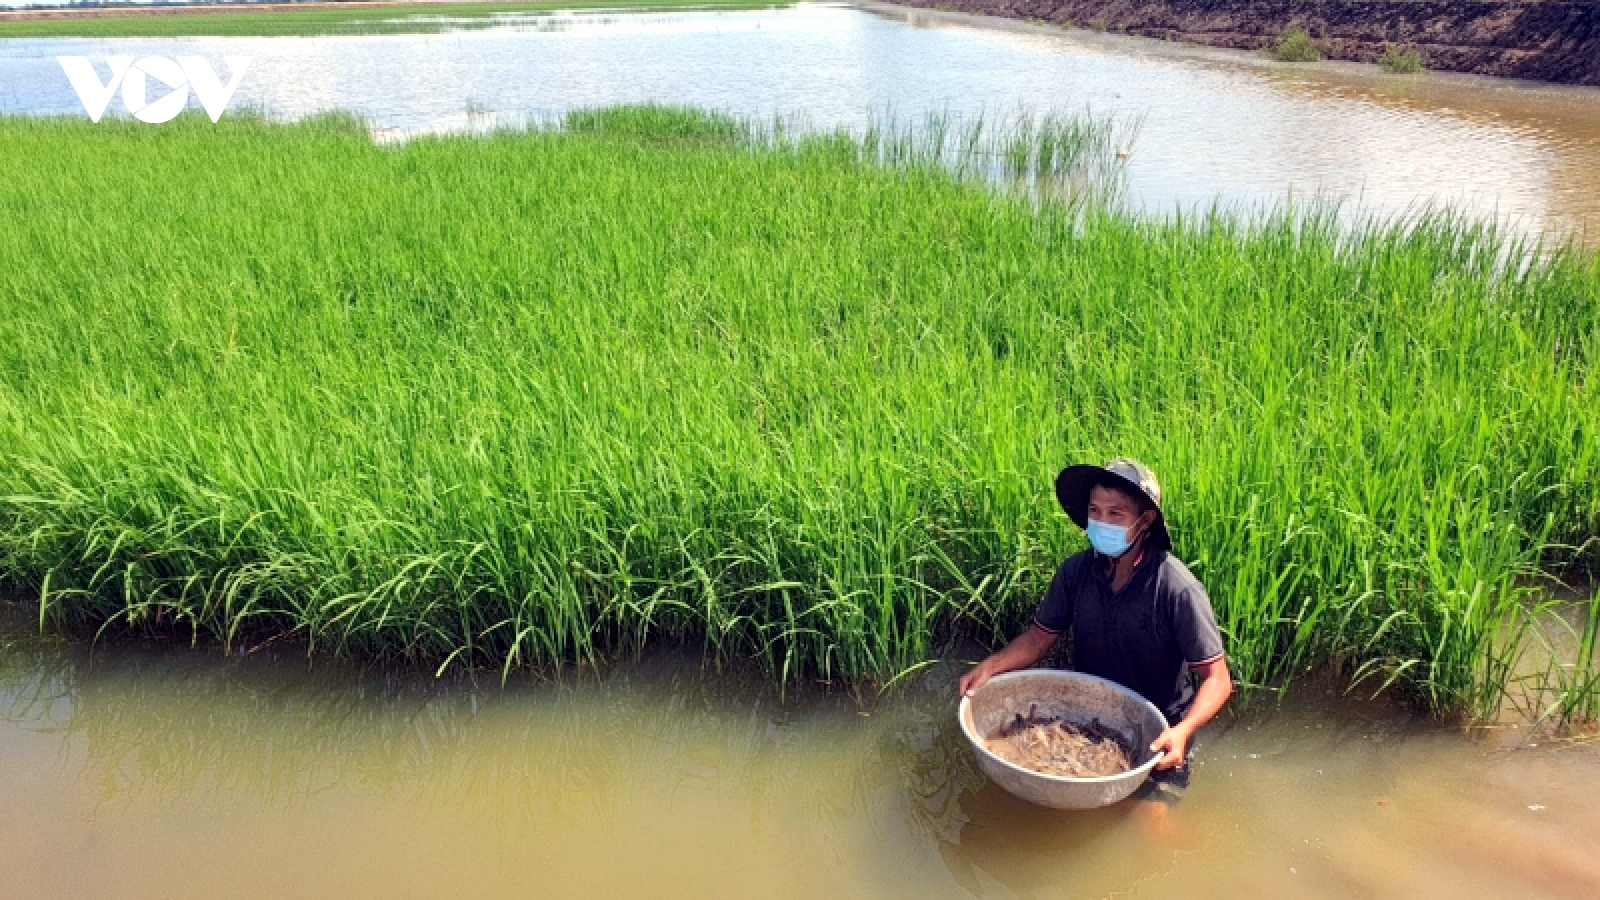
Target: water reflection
(1216, 126)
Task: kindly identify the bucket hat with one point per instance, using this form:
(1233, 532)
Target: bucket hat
(1128, 475)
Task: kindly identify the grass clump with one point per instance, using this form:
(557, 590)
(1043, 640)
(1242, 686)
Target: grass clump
(1401, 60)
(1566, 687)
(528, 398)
(1295, 45)
(659, 123)
(351, 17)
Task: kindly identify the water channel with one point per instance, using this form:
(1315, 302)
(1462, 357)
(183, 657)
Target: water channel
(160, 771)
(1212, 126)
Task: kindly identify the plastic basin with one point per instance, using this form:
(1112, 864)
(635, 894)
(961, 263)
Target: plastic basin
(1075, 697)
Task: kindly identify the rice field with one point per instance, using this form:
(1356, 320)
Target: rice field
(345, 17)
(546, 397)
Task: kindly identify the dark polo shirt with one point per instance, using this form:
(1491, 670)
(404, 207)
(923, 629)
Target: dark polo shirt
(1145, 637)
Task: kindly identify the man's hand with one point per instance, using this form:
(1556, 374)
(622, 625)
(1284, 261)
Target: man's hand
(1173, 744)
(976, 677)
(1215, 685)
(1023, 651)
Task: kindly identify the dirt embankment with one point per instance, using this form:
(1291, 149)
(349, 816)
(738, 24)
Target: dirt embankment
(1547, 40)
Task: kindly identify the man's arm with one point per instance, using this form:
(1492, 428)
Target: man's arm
(1024, 650)
(1216, 685)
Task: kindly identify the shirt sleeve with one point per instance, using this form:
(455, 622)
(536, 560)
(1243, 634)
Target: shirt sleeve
(1196, 626)
(1055, 610)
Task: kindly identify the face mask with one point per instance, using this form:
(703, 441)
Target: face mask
(1107, 539)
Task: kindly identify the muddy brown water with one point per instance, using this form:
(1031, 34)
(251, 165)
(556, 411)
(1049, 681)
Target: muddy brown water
(164, 772)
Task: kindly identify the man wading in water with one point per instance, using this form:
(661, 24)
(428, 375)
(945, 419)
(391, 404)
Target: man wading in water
(1138, 617)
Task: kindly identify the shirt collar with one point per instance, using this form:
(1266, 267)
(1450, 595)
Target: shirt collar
(1138, 561)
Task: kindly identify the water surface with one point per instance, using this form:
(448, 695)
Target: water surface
(161, 772)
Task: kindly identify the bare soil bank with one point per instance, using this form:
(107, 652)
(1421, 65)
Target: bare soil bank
(1551, 40)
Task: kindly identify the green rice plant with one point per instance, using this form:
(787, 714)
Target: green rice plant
(1018, 153)
(1580, 688)
(548, 396)
(1562, 684)
(660, 123)
(1401, 60)
(351, 17)
(1294, 44)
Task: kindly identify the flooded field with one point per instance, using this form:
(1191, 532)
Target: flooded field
(162, 772)
(1214, 126)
